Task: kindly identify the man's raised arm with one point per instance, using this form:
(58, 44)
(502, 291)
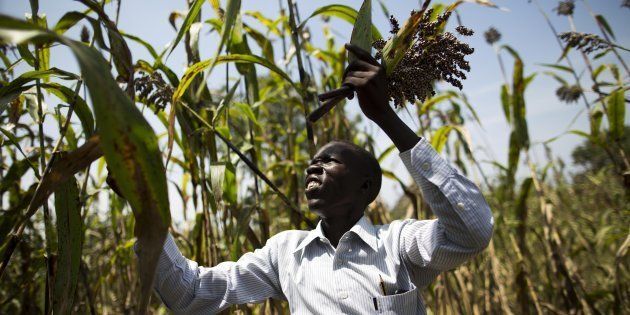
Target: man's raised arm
(464, 225)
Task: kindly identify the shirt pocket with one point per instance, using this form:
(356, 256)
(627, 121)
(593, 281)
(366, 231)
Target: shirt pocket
(403, 303)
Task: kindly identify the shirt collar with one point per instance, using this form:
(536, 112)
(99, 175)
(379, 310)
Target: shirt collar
(363, 228)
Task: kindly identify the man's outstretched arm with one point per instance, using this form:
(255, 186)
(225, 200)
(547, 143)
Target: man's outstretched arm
(464, 225)
(187, 288)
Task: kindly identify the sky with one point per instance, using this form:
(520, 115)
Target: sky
(520, 23)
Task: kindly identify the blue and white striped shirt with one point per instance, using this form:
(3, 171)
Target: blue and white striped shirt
(315, 278)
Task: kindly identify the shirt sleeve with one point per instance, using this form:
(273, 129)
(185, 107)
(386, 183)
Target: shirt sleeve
(186, 288)
(464, 222)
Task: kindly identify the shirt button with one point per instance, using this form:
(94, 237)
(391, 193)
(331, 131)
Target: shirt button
(343, 295)
(460, 205)
(426, 166)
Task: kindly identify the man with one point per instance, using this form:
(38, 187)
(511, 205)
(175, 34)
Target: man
(346, 264)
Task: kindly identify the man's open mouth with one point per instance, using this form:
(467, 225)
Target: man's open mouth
(312, 183)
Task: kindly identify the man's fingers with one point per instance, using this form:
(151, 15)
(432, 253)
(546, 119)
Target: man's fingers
(361, 54)
(359, 74)
(354, 81)
(360, 65)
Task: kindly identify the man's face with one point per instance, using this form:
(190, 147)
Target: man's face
(334, 180)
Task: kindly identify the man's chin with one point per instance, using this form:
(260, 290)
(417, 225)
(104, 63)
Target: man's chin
(317, 206)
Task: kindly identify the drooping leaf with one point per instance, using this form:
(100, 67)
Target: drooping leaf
(439, 138)
(142, 42)
(68, 20)
(70, 239)
(192, 15)
(602, 21)
(557, 67)
(362, 32)
(133, 156)
(343, 12)
(30, 76)
(80, 106)
(120, 51)
(128, 143)
(197, 68)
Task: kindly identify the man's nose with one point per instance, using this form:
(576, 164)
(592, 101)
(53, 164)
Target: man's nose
(314, 169)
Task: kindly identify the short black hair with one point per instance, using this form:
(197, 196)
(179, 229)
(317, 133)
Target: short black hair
(373, 167)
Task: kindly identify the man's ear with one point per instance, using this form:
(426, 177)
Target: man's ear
(366, 187)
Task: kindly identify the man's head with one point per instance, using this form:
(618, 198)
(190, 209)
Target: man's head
(342, 178)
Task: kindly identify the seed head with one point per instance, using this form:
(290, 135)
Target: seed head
(395, 26)
(625, 3)
(464, 30)
(587, 43)
(85, 34)
(492, 35)
(433, 56)
(565, 7)
(569, 93)
(152, 89)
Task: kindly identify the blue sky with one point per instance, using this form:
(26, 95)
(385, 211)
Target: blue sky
(521, 25)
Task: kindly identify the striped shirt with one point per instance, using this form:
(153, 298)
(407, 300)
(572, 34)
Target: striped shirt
(400, 258)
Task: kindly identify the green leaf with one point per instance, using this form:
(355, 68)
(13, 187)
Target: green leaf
(439, 138)
(197, 68)
(557, 67)
(616, 112)
(429, 103)
(602, 21)
(514, 152)
(68, 20)
(16, 143)
(231, 14)
(385, 153)
(518, 120)
(14, 174)
(80, 106)
(246, 110)
(129, 144)
(505, 103)
(142, 42)
(598, 71)
(596, 115)
(343, 12)
(361, 32)
(27, 77)
(118, 47)
(192, 15)
(70, 239)
(131, 150)
(512, 52)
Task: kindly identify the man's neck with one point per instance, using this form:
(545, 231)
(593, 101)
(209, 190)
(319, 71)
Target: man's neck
(335, 227)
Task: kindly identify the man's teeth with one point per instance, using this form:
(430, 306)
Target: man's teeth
(312, 184)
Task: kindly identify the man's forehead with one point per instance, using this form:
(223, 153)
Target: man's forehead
(339, 148)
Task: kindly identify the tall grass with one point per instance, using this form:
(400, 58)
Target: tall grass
(236, 155)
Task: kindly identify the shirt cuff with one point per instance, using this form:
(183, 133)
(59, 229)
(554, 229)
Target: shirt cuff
(422, 159)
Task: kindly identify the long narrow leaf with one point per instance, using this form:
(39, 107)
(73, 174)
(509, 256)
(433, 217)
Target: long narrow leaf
(70, 234)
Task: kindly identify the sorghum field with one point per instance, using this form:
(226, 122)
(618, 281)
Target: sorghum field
(230, 136)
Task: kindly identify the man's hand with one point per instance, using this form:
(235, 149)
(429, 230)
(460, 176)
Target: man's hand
(367, 77)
